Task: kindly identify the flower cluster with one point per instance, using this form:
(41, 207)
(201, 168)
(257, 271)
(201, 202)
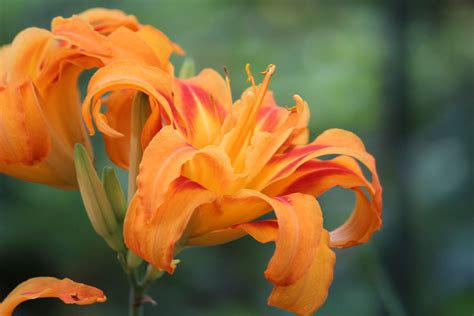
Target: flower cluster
(205, 168)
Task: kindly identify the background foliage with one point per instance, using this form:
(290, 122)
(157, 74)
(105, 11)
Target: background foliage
(398, 73)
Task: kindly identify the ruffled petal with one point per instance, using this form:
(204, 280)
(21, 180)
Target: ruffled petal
(297, 171)
(299, 220)
(105, 21)
(154, 237)
(66, 290)
(169, 156)
(309, 293)
(316, 177)
(111, 36)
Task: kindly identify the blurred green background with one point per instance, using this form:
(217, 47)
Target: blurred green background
(398, 73)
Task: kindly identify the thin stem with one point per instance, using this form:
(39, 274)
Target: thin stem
(136, 295)
(140, 113)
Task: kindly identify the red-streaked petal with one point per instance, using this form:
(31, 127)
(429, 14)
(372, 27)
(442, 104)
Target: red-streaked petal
(201, 105)
(309, 293)
(66, 290)
(154, 238)
(316, 176)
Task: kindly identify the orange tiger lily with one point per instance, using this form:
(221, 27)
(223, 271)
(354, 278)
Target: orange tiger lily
(40, 119)
(117, 40)
(207, 178)
(66, 290)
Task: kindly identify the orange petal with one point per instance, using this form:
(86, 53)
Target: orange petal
(66, 290)
(161, 164)
(154, 238)
(202, 103)
(125, 74)
(119, 104)
(161, 45)
(296, 171)
(309, 293)
(30, 148)
(169, 155)
(105, 21)
(262, 231)
(299, 226)
(265, 144)
(78, 32)
(295, 213)
(26, 53)
(24, 136)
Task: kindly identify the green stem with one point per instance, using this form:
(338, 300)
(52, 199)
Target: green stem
(140, 113)
(137, 292)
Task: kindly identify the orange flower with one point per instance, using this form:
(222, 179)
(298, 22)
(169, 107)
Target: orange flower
(210, 176)
(66, 290)
(117, 41)
(40, 119)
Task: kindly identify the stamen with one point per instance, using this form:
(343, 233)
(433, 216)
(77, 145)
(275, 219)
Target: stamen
(268, 73)
(249, 75)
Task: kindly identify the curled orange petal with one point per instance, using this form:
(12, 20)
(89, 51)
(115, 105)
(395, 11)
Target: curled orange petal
(155, 238)
(66, 290)
(309, 293)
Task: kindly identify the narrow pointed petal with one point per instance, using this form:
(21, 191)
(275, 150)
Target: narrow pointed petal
(309, 293)
(154, 238)
(66, 290)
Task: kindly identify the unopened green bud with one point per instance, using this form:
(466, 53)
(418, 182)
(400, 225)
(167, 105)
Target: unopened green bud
(95, 201)
(114, 192)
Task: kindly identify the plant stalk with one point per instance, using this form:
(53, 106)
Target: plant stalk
(140, 113)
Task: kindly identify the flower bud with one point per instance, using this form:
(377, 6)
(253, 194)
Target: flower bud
(96, 202)
(115, 194)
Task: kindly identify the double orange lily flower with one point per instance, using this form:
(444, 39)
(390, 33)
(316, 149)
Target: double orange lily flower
(66, 290)
(210, 175)
(211, 167)
(40, 117)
